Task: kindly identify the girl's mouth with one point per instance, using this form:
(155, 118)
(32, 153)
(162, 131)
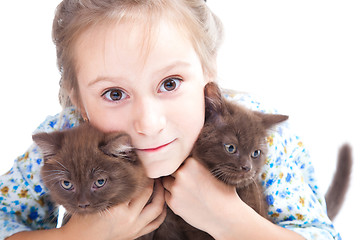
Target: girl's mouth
(156, 148)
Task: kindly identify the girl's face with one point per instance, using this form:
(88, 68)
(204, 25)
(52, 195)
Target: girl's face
(154, 92)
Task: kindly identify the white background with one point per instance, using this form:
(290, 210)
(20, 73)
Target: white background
(301, 56)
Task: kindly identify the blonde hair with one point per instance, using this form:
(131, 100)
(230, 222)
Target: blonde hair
(73, 17)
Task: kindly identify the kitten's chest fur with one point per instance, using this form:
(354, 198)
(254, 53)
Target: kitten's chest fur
(253, 196)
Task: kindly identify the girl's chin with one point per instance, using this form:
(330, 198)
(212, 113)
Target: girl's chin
(157, 170)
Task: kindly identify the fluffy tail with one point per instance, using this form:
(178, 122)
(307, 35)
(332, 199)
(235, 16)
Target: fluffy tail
(336, 193)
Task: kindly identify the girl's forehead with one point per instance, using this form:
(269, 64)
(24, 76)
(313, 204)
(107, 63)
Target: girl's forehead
(127, 45)
(126, 35)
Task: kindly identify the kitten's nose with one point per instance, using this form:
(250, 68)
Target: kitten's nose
(83, 205)
(246, 168)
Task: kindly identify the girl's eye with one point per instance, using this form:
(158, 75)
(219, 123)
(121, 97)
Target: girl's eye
(230, 148)
(66, 185)
(256, 154)
(114, 95)
(100, 183)
(170, 84)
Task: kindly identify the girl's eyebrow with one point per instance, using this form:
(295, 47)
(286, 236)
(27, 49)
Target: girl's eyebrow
(178, 63)
(101, 79)
(175, 64)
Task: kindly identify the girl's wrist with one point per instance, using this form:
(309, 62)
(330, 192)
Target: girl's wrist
(232, 217)
(78, 228)
(242, 222)
(51, 234)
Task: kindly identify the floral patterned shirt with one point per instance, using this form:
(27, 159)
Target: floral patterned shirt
(290, 187)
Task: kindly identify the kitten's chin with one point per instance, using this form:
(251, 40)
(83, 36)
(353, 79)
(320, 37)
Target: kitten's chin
(244, 183)
(237, 179)
(83, 211)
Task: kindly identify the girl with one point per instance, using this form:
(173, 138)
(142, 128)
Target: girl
(140, 67)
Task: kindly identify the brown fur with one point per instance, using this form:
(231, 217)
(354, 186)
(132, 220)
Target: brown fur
(336, 193)
(84, 157)
(232, 146)
(231, 126)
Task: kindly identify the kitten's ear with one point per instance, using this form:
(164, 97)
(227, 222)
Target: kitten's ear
(213, 100)
(117, 145)
(269, 120)
(49, 143)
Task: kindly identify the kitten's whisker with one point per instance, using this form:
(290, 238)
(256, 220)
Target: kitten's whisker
(54, 170)
(51, 184)
(100, 213)
(259, 196)
(61, 165)
(53, 174)
(50, 179)
(217, 173)
(100, 170)
(104, 212)
(108, 211)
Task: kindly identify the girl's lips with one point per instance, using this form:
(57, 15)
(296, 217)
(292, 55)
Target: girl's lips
(156, 148)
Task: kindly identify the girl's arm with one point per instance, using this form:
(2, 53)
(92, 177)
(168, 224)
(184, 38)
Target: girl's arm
(129, 220)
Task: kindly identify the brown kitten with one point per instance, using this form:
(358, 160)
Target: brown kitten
(232, 145)
(88, 171)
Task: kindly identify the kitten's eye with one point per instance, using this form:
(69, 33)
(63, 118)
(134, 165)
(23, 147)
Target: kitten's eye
(256, 154)
(66, 185)
(170, 84)
(100, 183)
(230, 148)
(114, 95)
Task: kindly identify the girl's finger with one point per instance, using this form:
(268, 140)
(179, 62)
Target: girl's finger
(153, 209)
(139, 202)
(168, 182)
(158, 194)
(153, 225)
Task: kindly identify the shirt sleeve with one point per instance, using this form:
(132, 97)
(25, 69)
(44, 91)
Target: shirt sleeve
(291, 190)
(24, 202)
(289, 182)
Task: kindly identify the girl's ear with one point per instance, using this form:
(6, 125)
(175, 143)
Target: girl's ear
(75, 100)
(117, 145)
(49, 143)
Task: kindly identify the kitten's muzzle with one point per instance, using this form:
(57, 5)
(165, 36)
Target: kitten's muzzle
(84, 205)
(246, 168)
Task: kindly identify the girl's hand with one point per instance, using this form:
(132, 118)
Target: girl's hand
(208, 204)
(200, 199)
(128, 220)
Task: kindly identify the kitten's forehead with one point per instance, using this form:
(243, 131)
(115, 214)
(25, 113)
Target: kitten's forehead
(75, 163)
(244, 130)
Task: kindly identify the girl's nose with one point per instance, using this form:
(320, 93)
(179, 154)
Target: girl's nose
(149, 118)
